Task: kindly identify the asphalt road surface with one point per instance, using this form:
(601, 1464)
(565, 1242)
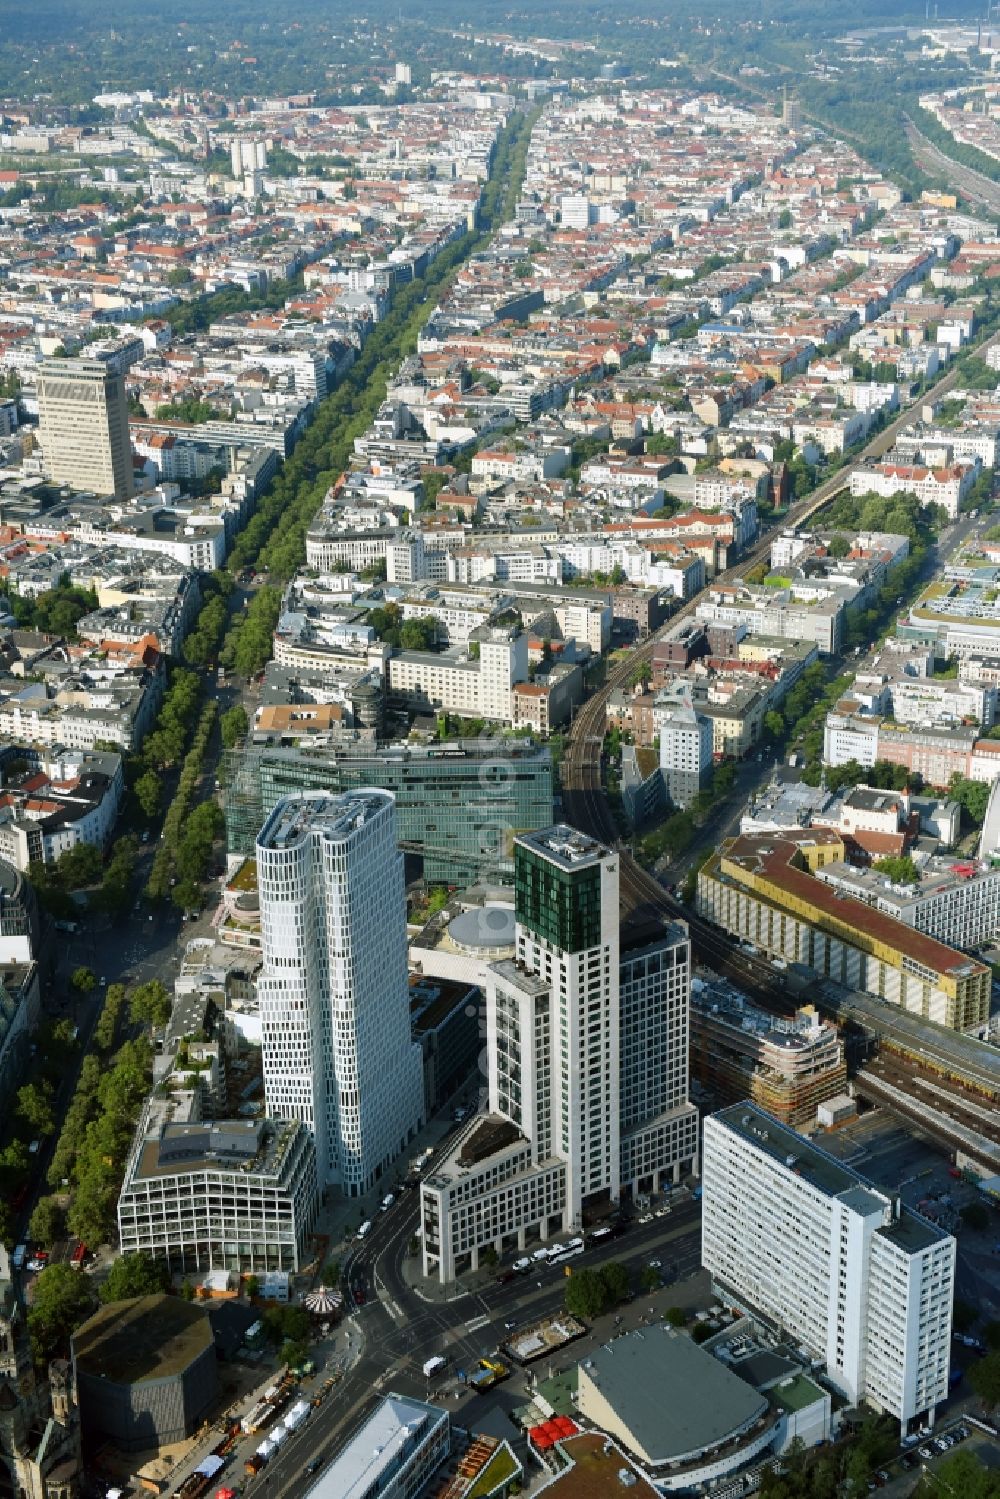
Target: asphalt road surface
(401, 1330)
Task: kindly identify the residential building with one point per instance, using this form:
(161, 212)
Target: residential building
(56, 801)
(781, 612)
(427, 682)
(943, 486)
(764, 889)
(788, 1067)
(232, 1194)
(83, 419)
(956, 901)
(686, 741)
(20, 1011)
(333, 987)
(586, 1036)
(804, 1243)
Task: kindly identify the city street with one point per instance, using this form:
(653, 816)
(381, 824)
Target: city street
(402, 1327)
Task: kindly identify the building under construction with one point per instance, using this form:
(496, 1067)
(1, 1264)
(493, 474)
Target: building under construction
(738, 1051)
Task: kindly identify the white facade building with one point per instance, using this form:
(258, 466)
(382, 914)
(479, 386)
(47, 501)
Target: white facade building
(586, 1035)
(686, 742)
(393, 1455)
(233, 1194)
(333, 989)
(798, 1238)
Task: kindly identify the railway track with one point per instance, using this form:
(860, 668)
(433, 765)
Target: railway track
(586, 804)
(584, 797)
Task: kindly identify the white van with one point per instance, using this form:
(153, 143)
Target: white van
(365, 1229)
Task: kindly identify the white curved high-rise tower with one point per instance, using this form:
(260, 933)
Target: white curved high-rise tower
(334, 1001)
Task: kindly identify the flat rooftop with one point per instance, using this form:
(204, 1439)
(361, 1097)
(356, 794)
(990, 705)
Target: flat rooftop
(831, 1177)
(596, 1465)
(675, 1398)
(252, 1147)
(295, 817)
(764, 1133)
(796, 1393)
(565, 846)
(374, 1454)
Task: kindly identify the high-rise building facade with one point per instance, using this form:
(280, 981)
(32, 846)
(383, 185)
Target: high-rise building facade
(685, 744)
(797, 1238)
(333, 988)
(586, 1058)
(459, 804)
(566, 901)
(248, 154)
(83, 421)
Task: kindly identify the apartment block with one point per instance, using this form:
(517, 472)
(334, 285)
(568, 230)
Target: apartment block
(686, 744)
(764, 889)
(804, 1243)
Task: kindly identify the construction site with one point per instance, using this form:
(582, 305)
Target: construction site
(789, 1066)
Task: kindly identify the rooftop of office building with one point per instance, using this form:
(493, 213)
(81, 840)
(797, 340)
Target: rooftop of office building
(564, 846)
(378, 1449)
(788, 1148)
(318, 812)
(252, 1147)
(831, 1177)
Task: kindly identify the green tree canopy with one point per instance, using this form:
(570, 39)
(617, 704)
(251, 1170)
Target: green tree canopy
(135, 1275)
(234, 724)
(586, 1296)
(150, 1004)
(48, 1221)
(902, 871)
(63, 1299)
(984, 1377)
(615, 1279)
(34, 1106)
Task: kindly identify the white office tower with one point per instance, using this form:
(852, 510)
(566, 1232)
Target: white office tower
(658, 1125)
(83, 426)
(334, 1000)
(685, 743)
(586, 1056)
(801, 1241)
(503, 660)
(248, 155)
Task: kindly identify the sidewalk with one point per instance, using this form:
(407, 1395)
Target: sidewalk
(430, 1289)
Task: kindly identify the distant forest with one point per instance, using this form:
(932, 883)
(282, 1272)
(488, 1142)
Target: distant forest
(68, 50)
